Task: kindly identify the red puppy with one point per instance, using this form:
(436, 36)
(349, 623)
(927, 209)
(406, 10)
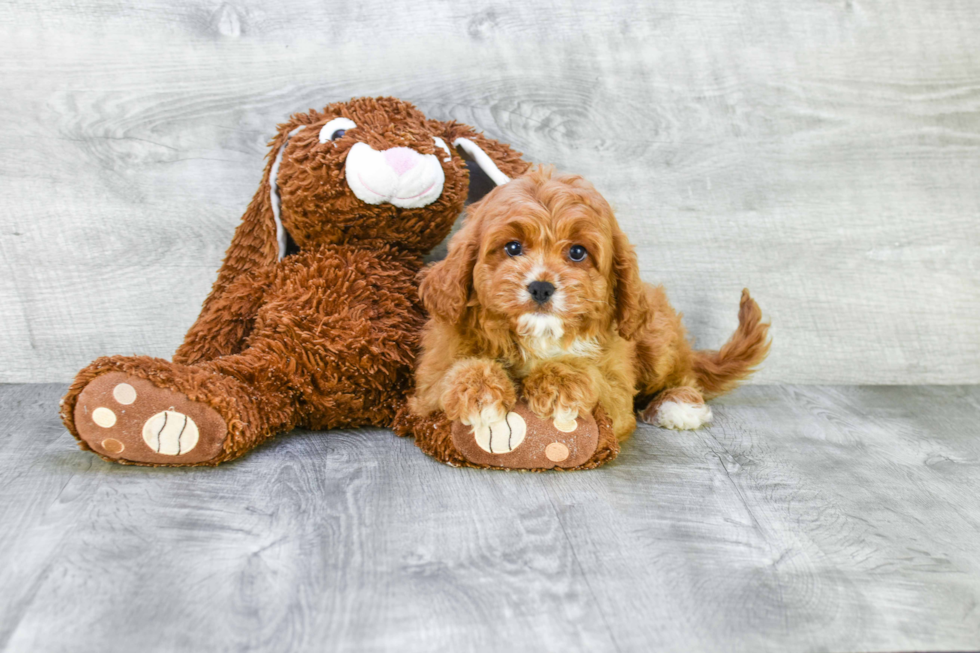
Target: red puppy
(540, 296)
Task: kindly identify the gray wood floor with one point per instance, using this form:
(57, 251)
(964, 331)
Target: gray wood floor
(805, 519)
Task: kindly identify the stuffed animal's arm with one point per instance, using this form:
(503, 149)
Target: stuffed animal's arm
(225, 321)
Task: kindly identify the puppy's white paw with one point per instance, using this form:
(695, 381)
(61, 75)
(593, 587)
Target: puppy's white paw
(564, 419)
(487, 416)
(682, 415)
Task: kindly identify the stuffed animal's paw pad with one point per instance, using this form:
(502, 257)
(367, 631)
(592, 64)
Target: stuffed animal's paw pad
(502, 436)
(556, 452)
(565, 425)
(124, 417)
(170, 433)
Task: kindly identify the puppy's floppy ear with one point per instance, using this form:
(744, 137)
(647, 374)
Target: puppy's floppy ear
(490, 163)
(632, 308)
(446, 284)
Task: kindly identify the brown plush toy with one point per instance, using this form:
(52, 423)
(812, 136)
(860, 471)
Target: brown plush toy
(314, 318)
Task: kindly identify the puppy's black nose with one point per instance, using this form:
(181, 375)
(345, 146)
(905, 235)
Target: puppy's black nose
(541, 291)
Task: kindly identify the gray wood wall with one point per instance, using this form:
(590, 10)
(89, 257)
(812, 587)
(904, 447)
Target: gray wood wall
(824, 153)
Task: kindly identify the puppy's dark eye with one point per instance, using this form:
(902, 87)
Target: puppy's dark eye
(513, 248)
(337, 134)
(577, 253)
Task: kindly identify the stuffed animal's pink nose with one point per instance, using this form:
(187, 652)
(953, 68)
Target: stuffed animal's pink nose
(402, 159)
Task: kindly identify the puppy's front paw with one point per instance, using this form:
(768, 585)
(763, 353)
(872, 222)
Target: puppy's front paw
(558, 391)
(478, 393)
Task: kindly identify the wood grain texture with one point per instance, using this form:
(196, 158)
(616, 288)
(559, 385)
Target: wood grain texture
(825, 154)
(804, 519)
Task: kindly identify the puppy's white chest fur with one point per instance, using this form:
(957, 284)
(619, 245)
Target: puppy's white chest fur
(540, 336)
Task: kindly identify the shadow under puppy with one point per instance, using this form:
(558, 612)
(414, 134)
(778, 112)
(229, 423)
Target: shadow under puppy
(540, 298)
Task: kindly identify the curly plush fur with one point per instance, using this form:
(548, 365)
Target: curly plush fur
(603, 338)
(324, 337)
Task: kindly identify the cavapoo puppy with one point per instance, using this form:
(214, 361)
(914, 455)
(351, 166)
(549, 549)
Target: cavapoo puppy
(540, 297)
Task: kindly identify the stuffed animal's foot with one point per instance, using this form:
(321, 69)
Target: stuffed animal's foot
(126, 418)
(522, 440)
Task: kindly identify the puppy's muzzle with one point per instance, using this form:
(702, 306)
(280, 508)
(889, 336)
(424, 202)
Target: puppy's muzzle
(541, 291)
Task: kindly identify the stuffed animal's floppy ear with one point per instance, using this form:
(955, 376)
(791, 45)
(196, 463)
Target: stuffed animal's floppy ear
(491, 163)
(632, 308)
(259, 241)
(445, 287)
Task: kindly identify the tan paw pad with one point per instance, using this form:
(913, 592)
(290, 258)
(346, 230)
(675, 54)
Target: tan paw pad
(113, 445)
(556, 452)
(104, 417)
(503, 436)
(170, 433)
(124, 394)
(565, 425)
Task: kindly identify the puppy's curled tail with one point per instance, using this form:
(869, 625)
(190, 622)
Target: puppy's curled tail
(720, 371)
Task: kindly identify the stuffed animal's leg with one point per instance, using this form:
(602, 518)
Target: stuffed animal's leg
(150, 411)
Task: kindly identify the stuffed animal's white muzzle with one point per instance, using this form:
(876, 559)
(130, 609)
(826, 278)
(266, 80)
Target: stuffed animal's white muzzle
(399, 176)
